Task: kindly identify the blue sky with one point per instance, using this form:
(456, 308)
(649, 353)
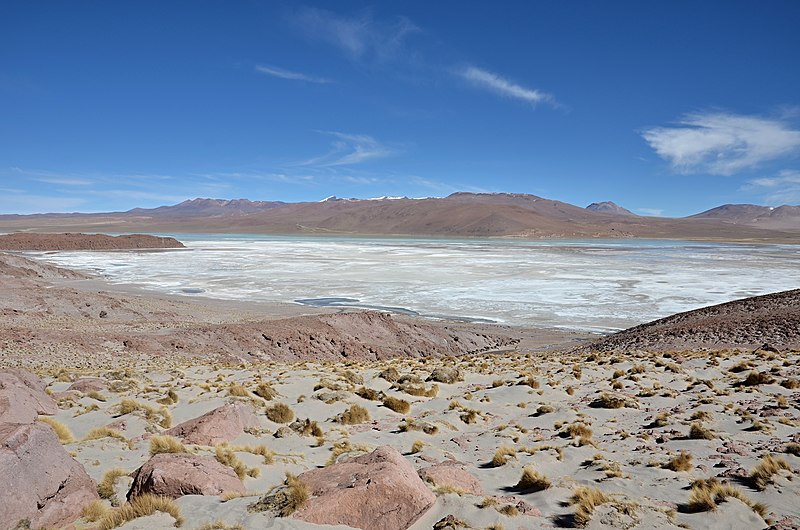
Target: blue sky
(663, 107)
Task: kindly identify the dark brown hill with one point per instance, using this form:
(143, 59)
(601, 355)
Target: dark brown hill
(746, 323)
(30, 241)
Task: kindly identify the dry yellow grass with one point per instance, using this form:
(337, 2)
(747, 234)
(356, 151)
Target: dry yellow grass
(65, 436)
(105, 432)
(398, 405)
(94, 511)
(261, 450)
(237, 390)
(369, 393)
(586, 499)
(166, 444)
(286, 501)
(502, 455)
(698, 432)
(354, 415)
(682, 462)
(220, 525)
(532, 480)
(417, 446)
(706, 494)
(226, 456)
(265, 391)
(139, 507)
(105, 488)
(280, 413)
(768, 467)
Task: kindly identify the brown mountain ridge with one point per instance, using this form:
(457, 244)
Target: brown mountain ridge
(458, 215)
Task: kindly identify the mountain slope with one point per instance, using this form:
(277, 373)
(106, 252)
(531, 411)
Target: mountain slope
(609, 207)
(784, 217)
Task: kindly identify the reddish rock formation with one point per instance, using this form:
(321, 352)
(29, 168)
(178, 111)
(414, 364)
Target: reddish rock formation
(31, 241)
(177, 474)
(41, 482)
(22, 397)
(378, 491)
(89, 384)
(451, 474)
(222, 424)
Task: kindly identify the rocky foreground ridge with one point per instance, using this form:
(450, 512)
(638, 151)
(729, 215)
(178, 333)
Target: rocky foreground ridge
(76, 241)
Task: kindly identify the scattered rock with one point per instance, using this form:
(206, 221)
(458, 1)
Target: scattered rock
(446, 374)
(22, 397)
(89, 384)
(177, 474)
(40, 481)
(451, 474)
(378, 491)
(223, 424)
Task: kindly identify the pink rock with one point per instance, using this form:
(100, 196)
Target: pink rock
(449, 473)
(22, 397)
(177, 474)
(40, 481)
(223, 424)
(378, 491)
(89, 384)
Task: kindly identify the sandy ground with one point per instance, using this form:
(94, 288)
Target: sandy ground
(610, 422)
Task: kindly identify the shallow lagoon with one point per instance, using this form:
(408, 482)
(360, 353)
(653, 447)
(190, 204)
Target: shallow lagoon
(587, 284)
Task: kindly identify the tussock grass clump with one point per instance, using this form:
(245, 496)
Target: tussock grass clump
(418, 390)
(369, 393)
(166, 444)
(220, 525)
(532, 480)
(502, 455)
(94, 511)
(607, 400)
(757, 378)
(706, 494)
(226, 456)
(237, 390)
(790, 383)
(410, 424)
(261, 450)
(390, 374)
(768, 467)
(586, 499)
(105, 432)
(65, 436)
(531, 382)
(141, 506)
(286, 501)
(265, 391)
(682, 462)
(170, 399)
(151, 414)
(741, 366)
(97, 396)
(396, 404)
(354, 415)
(793, 449)
(698, 432)
(446, 374)
(280, 413)
(417, 446)
(308, 427)
(105, 488)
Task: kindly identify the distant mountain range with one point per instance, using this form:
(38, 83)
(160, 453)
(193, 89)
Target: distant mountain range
(458, 215)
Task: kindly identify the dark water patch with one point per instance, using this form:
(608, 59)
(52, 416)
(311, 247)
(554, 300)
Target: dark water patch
(192, 290)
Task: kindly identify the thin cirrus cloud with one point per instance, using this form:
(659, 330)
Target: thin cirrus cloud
(359, 36)
(782, 188)
(722, 143)
(280, 73)
(501, 86)
(349, 149)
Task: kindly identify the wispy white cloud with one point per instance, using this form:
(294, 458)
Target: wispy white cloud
(499, 85)
(280, 73)
(722, 143)
(783, 188)
(359, 36)
(349, 149)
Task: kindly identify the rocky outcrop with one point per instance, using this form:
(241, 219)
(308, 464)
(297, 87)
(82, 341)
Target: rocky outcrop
(89, 384)
(177, 474)
(223, 424)
(41, 482)
(378, 491)
(22, 397)
(451, 474)
(31, 241)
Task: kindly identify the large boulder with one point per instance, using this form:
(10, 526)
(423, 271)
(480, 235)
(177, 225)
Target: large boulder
(22, 397)
(177, 474)
(223, 424)
(41, 483)
(451, 474)
(378, 491)
(89, 384)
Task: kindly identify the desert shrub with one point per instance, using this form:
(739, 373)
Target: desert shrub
(227, 457)
(105, 432)
(280, 413)
(237, 390)
(94, 511)
(768, 467)
(793, 449)
(369, 393)
(265, 391)
(166, 444)
(354, 415)
(706, 494)
(757, 378)
(410, 424)
(502, 455)
(285, 501)
(698, 432)
(544, 409)
(141, 506)
(390, 374)
(607, 400)
(586, 499)
(417, 446)
(65, 436)
(220, 525)
(398, 405)
(682, 462)
(105, 488)
(790, 383)
(446, 374)
(532, 480)
(97, 396)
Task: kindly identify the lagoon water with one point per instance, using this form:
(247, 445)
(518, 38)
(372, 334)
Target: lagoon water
(588, 285)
